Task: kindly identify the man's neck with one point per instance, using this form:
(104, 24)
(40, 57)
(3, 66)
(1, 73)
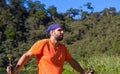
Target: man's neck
(54, 42)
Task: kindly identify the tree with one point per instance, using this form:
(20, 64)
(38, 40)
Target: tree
(73, 12)
(108, 11)
(52, 11)
(2, 3)
(84, 15)
(88, 5)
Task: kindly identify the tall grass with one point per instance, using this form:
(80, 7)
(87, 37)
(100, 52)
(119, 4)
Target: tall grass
(101, 64)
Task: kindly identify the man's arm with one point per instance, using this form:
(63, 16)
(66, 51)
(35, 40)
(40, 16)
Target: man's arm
(25, 57)
(76, 66)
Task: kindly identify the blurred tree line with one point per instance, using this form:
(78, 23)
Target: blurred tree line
(22, 22)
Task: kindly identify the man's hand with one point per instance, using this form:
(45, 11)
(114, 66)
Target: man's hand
(9, 69)
(91, 72)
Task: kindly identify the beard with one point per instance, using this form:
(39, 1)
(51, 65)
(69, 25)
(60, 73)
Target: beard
(59, 38)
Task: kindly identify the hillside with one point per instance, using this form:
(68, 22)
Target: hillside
(92, 34)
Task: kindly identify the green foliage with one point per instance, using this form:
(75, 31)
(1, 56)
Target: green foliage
(40, 15)
(108, 64)
(92, 34)
(52, 10)
(67, 69)
(9, 33)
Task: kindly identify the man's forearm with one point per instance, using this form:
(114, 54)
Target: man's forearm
(76, 66)
(20, 63)
(15, 70)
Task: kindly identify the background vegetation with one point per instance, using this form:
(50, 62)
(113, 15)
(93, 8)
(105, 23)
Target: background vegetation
(93, 38)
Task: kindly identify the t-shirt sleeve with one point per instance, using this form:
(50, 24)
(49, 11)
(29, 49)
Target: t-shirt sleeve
(36, 49)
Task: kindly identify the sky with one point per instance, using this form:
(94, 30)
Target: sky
(63, 5)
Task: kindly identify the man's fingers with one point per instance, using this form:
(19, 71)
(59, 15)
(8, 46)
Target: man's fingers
(91, 72)
(9, 69)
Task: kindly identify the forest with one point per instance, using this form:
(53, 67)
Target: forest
(93, 38)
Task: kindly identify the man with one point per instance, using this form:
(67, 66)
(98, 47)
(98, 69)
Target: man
(50, 54)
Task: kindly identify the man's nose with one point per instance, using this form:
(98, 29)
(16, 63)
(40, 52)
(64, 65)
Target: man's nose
(62, 32)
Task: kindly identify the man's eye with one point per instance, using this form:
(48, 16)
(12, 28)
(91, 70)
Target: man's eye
(60, 30)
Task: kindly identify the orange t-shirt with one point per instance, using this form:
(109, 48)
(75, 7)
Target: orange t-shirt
(50, 59)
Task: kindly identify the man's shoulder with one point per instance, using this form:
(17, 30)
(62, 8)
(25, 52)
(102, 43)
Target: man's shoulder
(43, 40)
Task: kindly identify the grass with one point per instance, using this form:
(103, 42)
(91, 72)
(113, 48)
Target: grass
(101, 64)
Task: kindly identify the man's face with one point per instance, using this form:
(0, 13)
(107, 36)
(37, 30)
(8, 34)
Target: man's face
(58, 34)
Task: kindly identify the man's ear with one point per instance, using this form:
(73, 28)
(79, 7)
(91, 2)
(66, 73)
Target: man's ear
(51, 32)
